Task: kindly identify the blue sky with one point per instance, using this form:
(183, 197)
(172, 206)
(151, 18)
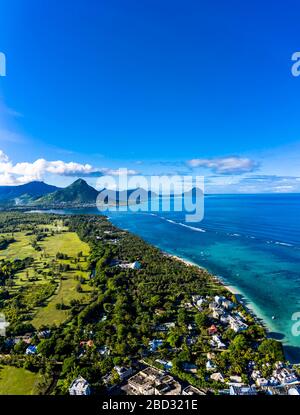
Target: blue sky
(158, 87)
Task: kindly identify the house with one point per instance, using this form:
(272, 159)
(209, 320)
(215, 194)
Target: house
(189, 367)
(228, 305)
(152, 381)
(191, 327)
(242, 390)
(165, 326)
(123, 372)
(295, 390)
(196, 298)
(104, 351)
(217, 377)
(216, 339)
(212, 330)
(88, 343)
(235, 380)
(210, 365)
(190, 340)
(285, 375)
(224, 318)
(191, 390)
(31, 350)
(44, 334)
(236, 324)
(219, 299)
(80, 387)
(217, 313)
(214, 306)
(198, 301)
(262, 382)
(159, 311)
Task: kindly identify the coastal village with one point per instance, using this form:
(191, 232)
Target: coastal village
(153, 325)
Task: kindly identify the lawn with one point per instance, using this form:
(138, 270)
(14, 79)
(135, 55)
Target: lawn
(66, 292)
(70, 244)
(20, 249)
(67, 243)
(17, 381)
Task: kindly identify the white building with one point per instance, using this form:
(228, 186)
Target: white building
(80, 387)
(218, 342)
(285, 375)
(237, 324)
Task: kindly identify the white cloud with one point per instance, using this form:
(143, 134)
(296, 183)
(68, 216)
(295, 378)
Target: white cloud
(25, 172)
(225, 165)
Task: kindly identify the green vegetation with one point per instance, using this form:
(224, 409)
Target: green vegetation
(70, 277)
(78, 192)
(34, 278)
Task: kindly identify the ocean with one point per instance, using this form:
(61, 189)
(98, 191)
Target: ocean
(251, 242)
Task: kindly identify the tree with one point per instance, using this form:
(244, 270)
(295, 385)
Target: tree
(271, 350)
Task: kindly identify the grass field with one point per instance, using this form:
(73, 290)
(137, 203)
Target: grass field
(17, 381)
(67, 291)
(20, 249)
(61, 241)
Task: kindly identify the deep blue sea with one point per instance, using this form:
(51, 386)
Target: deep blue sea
(252, 242)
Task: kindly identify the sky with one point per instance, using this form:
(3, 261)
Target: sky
(154, 86)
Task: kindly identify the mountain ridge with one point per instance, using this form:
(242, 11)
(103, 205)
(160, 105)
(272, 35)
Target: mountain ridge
(24, 193)
(78, 193)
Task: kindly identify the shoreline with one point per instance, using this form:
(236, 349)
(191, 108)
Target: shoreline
(241, 298)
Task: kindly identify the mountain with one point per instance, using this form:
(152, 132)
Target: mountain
(77, 193)
(123, 197)
(25, 193)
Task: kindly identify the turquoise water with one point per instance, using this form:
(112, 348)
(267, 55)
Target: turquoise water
(252, 242)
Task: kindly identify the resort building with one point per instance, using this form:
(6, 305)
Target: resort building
(243, 390)
(212, 330)
(80, 387)
(236, 324)
(285, 375)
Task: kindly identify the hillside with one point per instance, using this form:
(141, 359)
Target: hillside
(78, 193)
(12, 195)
